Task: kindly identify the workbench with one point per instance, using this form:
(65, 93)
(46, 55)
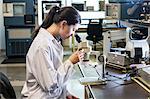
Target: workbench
(115, 88)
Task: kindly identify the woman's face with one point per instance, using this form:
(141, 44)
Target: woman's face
(67, 30)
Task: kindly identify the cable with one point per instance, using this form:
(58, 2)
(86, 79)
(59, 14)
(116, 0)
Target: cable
(126, 82)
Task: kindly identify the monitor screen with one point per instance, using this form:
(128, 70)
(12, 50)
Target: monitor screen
(47, 5)
(19, 33)
(79, 7)
(19, 9)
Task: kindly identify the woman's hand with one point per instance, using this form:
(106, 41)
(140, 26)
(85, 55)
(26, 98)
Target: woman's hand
(76, 56)
(71, 97)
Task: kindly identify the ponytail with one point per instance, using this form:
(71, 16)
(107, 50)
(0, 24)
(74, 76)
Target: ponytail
(48, 21)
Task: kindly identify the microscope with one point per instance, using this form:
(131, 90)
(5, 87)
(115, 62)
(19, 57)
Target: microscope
(86, 49)
(137, 44)
(93, 72)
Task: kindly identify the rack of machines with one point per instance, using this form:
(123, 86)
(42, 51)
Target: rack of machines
(136, 34)
(19, 22)
(134, 58)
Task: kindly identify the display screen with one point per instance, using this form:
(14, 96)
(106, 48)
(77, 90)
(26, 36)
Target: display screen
(19, 9)
(79, 7)
(138, 33)
(47, 5)
(19, 33)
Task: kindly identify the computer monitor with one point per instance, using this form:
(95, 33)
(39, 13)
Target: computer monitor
(47, 5)
(79, 7)
(19, 9)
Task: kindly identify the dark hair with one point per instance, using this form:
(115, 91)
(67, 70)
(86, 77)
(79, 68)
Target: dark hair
(57, 14)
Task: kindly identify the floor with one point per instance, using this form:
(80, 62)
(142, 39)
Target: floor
(15, 73)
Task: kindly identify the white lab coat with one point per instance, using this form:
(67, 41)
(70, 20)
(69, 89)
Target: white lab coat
(45, 73)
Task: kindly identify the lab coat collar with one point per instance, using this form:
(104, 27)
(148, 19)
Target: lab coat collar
(47, 34)
(50, 37)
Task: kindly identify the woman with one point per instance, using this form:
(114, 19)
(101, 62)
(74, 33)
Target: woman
(45, 73)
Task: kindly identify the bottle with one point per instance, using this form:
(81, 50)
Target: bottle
(101, 5)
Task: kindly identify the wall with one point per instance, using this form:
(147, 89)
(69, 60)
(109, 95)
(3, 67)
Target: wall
(2, 30)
